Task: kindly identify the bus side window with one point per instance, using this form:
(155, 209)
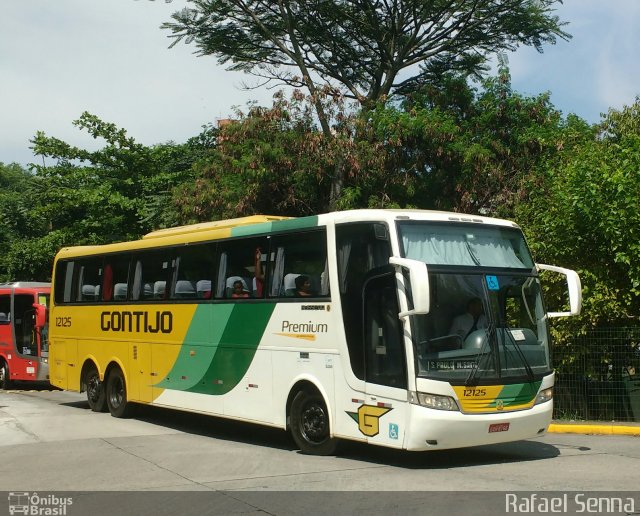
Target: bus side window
(63, 288)
(238, 263)
(153, 271)
(115, 278)
(5, 310)
(88, 278)
(300, 266)
(195, 269)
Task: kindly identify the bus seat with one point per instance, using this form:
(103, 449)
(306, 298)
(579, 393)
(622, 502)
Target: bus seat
(185, 289)
(289, 284)
(203, 289)
(88, 292)
(231, 280)
(120, 292)
(4, 318)
(159, 288)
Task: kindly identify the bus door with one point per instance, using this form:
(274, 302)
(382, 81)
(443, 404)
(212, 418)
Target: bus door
(385, 366)
(6, 328)
(27, 341)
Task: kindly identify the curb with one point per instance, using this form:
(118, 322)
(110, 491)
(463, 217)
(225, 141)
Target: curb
(594, 429)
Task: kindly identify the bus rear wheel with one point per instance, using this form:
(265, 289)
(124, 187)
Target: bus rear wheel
(310, 424)
(116, 394)
(96, 396)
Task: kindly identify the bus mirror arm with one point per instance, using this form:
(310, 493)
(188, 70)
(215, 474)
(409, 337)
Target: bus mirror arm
(574, 286)
(40, 315)
(419, 279)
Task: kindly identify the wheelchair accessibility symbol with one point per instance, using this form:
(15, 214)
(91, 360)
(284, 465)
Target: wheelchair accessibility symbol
(393, 431)
(493, 283)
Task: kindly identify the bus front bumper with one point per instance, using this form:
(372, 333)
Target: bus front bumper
(440, 430)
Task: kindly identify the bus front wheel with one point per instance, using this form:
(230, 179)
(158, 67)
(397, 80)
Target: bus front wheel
(116, 394)
(5, 380)
(96, 396)
(310, 424)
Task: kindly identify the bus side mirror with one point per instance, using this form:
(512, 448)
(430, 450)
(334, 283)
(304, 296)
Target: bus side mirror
(419, 279)
(40, 315)
(573, 285)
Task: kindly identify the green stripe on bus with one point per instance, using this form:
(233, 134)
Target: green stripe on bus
(199, 347)
(280, 225)
(238, 342)
(518, 394)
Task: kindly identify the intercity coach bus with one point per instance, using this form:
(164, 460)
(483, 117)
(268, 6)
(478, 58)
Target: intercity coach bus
(24, 346)
(336, 326)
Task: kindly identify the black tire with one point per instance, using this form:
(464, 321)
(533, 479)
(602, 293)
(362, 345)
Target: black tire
(116, 394)
(5, 379)
(96, 395)
(310, 424)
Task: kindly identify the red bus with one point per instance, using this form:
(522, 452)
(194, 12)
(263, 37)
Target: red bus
(24, 341)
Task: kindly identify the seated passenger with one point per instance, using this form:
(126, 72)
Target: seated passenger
(238, 290)
(303, 286)
(473, 319)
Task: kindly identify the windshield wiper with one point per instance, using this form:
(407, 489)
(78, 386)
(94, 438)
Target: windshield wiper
(517, 347)
(471, 379)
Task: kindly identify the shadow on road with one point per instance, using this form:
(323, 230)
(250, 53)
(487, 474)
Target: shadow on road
(258, 435)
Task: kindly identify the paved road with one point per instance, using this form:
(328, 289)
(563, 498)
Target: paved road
(51, 441)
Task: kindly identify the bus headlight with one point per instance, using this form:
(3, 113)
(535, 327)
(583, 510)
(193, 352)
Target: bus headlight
(544, 395)
(433, 401)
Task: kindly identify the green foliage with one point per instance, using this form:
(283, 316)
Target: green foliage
(583, 213)
(362, 46)
(359, 48)
(91, 197)
(276, 161)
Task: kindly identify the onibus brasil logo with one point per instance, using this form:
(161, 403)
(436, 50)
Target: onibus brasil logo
(38, 505)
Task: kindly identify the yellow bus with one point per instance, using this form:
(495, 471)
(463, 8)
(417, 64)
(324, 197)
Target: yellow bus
(410, 329)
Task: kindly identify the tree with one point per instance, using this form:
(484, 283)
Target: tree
(118, 192)
(359, 48)
(583, 214)
(274, 160)
(16, 200)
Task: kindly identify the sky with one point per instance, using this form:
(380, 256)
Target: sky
(110, 57)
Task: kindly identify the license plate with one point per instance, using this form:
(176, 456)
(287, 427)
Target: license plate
(498, 427)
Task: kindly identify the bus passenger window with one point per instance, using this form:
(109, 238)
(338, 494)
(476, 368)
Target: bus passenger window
(300, 267)
(238, 262)
(64, 282)
(152, 273)
(194, 273)
(115, 278)
(88, 280)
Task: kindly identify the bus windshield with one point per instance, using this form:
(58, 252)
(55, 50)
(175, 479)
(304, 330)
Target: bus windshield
(487, 321)
(482, 327)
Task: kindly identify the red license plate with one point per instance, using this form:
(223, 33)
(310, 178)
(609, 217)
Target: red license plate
(498, 427)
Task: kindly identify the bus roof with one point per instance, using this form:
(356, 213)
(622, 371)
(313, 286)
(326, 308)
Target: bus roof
(265, 224)
(26, 284)
(216, 224)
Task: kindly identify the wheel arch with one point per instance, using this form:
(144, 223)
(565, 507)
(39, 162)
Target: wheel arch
(114, 363)
(309, 385)
(88, 363)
